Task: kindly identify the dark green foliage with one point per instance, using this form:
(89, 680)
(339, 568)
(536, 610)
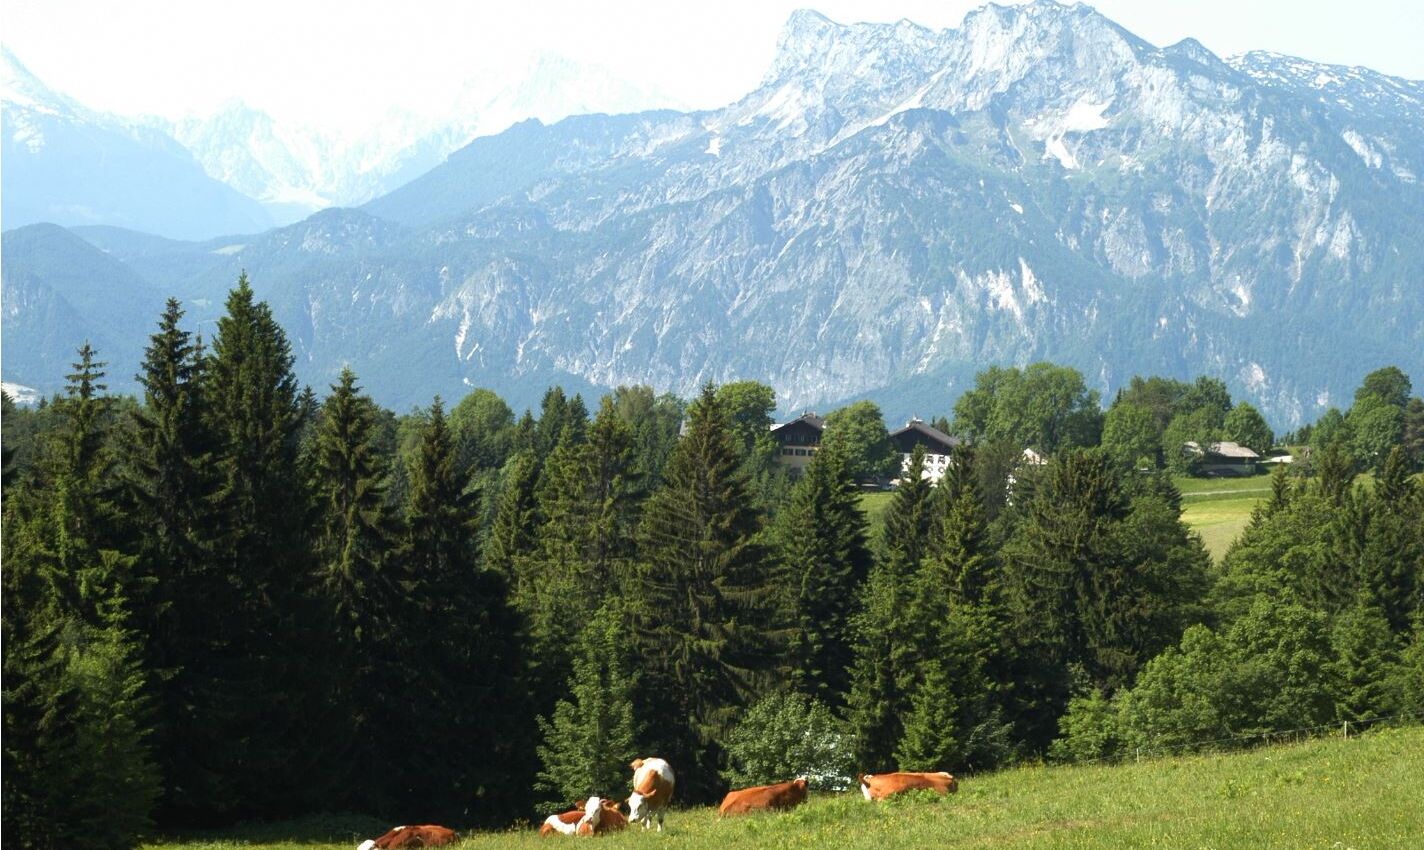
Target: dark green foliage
(1375, 428)
(591, 736)
(882, 676)
(1044, 407)
(858, 432)
(516, 521)
(1364, 668)
(1130, 436)
(655, 421)
(785, 735)
(704, 599)
(1388, 385)
(1246, 426)
(821, 537)
(1191, 427)
(1097, 579)
(1412, 439)
(75, 705)
(483, 428)
(466, 707)
(258, 616)
(173, 482)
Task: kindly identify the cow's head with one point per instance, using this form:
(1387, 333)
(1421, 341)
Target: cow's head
(592, 814)
(638, 807)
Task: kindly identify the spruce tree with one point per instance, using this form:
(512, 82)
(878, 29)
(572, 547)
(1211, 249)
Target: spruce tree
(704, 597)
(357, 587)
(75, 701)
(172, 483)
(591, 736)
(467, 713)
(258, 615)
(821, 536)
(883, 671)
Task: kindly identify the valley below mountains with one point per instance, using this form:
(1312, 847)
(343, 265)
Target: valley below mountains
(893, 209)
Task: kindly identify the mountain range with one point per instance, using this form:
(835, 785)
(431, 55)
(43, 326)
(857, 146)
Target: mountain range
(892, 209)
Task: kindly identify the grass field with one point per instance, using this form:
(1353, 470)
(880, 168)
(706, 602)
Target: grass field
(1216, 508)
(1219, 508)
(1365, 792)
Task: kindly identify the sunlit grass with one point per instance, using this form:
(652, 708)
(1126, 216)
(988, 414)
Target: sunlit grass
(1365, 792)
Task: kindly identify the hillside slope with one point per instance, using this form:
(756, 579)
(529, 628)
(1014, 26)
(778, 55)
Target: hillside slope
(1363, 793)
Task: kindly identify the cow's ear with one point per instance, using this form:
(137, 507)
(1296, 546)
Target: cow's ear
(581, 803)
(636, 763)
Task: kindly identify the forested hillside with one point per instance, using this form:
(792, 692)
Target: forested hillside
(235, 597)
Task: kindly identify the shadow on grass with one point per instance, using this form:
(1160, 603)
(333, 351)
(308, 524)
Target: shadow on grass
(328, 828)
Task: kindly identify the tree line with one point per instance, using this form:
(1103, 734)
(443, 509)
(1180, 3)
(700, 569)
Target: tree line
(232, 599)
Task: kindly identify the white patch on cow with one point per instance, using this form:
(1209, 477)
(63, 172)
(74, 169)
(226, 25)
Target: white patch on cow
(368, 844)
(865, 789)
(638, 806)
(592, 814)
(558, 825)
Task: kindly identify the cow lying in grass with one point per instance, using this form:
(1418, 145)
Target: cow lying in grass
(428, 835)
(882, 785)
(653, 784)
(594, 816)
(783, 795)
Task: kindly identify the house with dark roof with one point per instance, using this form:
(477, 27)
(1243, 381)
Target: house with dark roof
(1223, 458)
(937, 444)
(798, 441)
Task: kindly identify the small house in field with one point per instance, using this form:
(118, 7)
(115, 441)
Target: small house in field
(798, 441)
(1224, 458)
(937, 444)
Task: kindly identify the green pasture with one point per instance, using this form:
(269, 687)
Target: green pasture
(1362, 792)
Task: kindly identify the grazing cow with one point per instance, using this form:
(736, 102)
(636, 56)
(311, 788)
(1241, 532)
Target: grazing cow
(652, 791)
(428, 835)
(882, 785)
(784, 795)
(594, 816)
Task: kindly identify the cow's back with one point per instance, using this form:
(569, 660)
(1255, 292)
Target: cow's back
(653, 778)
(783, 795)
(880, 786)
(427, 835)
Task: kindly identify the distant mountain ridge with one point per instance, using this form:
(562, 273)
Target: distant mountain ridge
(891, 210)
(70, 165)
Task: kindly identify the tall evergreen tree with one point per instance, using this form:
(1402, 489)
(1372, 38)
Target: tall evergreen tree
(825, 558)
(467, 708)
(172, 484)
(75, 703)
(703, 596)
(357, 588)
(591, 735)
(883, 672)
(258, 614)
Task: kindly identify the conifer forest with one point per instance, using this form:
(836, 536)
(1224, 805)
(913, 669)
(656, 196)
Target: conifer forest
(236, 597)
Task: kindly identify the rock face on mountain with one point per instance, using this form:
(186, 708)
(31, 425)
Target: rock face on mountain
(69, 165)
(893, 209)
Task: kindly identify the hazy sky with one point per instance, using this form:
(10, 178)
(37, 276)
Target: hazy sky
(335, 63)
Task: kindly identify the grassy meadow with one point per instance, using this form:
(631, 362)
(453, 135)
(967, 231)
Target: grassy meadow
(1216, 508)
(1365, 792)
(1219, 508)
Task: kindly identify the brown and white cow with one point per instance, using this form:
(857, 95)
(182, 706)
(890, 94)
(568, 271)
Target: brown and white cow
(783, 795)
(881, 785)
(653, 784)
(428, 835)
(594, 816)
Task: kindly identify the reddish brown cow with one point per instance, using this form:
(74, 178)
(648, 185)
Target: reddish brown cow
(783, 795)
(594, 816)
(882, 785)
(428, 835)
